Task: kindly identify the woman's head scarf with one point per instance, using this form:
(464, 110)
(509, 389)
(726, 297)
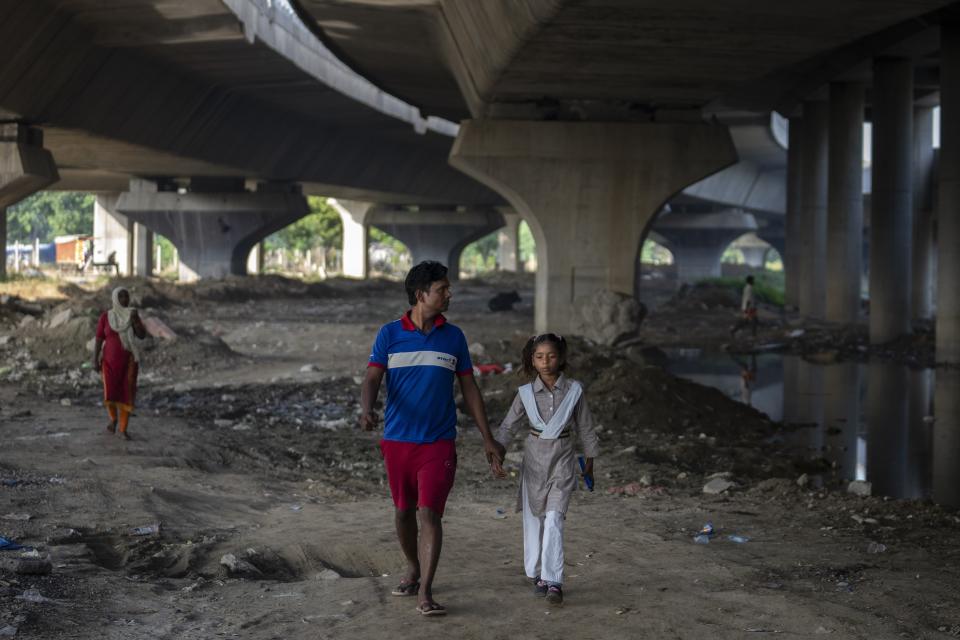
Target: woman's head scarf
(119, 318)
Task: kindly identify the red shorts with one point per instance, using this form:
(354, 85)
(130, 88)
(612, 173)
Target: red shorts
(420, 475)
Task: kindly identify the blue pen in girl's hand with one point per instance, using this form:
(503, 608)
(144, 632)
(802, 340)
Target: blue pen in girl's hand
(587, 480)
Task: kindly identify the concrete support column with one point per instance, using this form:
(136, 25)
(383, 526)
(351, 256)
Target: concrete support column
(792, 241)
(213, 230)
(845, 202)
(353, 217)
(924, 240)
(508, 242)
(813, 211)
(891, 226)
(25, 168)
(948, 218)
(589, 192)
(142, 250)
(3, 241)
(437, 235)
(755, 257)
(112, 233)
(255, 260)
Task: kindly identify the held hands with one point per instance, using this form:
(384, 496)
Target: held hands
(368, 420)
(495, 453)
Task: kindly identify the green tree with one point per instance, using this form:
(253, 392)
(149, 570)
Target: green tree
(48, 214)
(320, 228)
(528, 247)
(482, 254)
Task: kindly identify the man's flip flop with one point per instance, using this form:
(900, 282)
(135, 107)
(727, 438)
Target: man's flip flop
(406, 589)
(431, 609)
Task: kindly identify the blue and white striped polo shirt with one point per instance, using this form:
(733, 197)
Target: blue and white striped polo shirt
(420, 370)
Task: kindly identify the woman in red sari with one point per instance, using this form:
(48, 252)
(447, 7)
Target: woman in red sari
(116, 354)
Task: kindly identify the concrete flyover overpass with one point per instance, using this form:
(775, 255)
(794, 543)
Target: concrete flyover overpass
(585, 117)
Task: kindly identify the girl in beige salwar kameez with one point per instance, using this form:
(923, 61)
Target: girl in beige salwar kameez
(554, 409)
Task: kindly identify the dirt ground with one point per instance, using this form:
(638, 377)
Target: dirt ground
(275, 520)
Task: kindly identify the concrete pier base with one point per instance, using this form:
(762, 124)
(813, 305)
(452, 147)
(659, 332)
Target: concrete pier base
(353, 216)
(594, 187)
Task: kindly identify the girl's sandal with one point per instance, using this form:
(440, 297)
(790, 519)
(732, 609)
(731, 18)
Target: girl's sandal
(431, 608)
(406, 589)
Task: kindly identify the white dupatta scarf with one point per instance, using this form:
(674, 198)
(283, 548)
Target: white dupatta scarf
(550, 430)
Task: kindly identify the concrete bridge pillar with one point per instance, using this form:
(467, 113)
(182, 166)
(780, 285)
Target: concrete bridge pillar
(508, 242)
(924, 240)
(845, 202)
(698, 240)
(353, 216)
(948, 218)
(255, 260)
(439, 235)
(891, 214)
(25, 168)
(216, 224)
(792, 245)
(755, 257)
(589, 192)
(112, 234)
(812, 253)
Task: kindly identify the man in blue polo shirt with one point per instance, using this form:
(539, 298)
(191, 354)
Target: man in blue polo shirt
(420, 354)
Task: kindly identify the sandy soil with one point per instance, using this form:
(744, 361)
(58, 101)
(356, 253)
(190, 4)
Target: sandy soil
(245, 447)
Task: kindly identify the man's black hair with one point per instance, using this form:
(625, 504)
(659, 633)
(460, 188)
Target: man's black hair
(421, 277)
(749, 279)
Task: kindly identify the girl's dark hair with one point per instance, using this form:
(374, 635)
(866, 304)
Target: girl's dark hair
(559, 342)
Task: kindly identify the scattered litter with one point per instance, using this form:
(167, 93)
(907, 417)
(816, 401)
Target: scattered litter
(803, 481)
(32, 566)
(796, 333)
(18, 516)
(223, 424)
(66, 402)
(309, 368)
(500, 514)
(10, 545)
(876, 547)
(8, 631)
(296, 507)
(146, 530)
(328, 574)
(701, 539)
(738, 539)
(707, 530)
(622, 610)
(488, 369)
(33, 595)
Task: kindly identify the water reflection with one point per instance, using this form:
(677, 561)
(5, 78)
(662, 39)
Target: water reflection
(853, 421)
(946, 439)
